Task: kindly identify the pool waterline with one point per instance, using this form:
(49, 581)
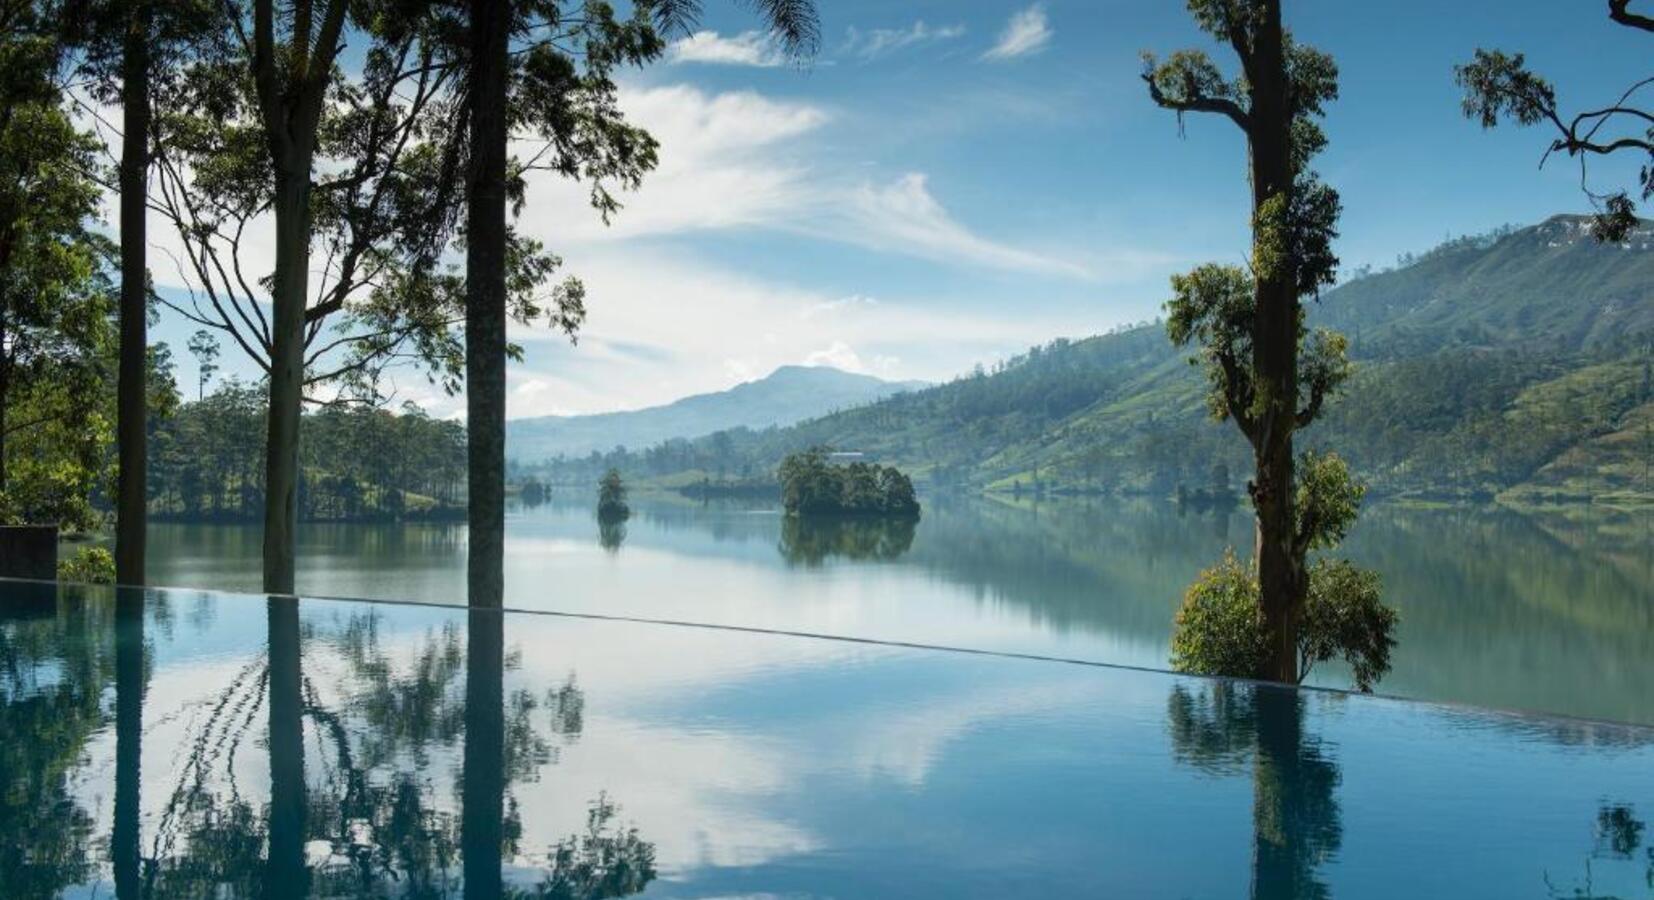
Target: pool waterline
(747, 762)
(1498, 609)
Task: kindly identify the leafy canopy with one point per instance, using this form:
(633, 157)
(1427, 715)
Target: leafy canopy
(1500, 86)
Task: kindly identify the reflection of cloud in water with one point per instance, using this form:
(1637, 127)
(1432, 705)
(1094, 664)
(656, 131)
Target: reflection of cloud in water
(905, 742)
(697, 794)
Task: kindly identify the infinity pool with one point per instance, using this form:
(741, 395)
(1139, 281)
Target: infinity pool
(179, 743)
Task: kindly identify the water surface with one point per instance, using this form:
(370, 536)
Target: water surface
(182, 744)
(1551, 612)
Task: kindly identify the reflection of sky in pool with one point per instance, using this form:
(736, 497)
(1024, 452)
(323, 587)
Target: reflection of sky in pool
(748, 765)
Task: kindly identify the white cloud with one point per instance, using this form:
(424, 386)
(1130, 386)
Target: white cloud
(906, 217)
(532, 387)
(835, 306)
(723, 164)
(877, 42)
(839, 355)
(749, 48)
(723, 327)
(733, 160)
(1028, 32)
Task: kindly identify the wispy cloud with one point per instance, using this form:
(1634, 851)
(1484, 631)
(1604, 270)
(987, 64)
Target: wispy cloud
(749, 48)
(1028, 32)
(877, 42)
(736, 160)
(904, 216)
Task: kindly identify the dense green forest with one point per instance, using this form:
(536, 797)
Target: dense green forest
(1514, 364)
(356, 462)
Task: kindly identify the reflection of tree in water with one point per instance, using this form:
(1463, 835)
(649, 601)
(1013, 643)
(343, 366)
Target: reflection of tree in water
(611, 533)
(1618, 838)
(1295, 816)
(605, 861)
(54, 667)
(369, 797)
(810, 541)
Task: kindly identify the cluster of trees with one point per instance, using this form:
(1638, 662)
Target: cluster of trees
(611, 498)
(245, 126)
(812, 485)
(356, 462)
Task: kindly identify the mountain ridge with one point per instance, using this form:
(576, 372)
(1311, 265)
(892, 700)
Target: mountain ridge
(789, 394)
(1518, 364)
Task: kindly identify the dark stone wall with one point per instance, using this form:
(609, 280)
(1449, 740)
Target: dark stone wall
(28, 551)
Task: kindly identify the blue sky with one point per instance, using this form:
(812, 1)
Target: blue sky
(950, 182)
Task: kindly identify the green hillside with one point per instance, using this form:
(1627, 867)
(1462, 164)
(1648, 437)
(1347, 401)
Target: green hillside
(1514, 364)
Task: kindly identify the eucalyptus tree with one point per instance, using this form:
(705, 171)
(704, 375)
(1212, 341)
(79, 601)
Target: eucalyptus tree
(544, 67)
(1499, 85)
(126, 48)
(205, 348)
(352, 162)
(1268, 373)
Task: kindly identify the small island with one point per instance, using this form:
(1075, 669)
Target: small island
(611, 498)
(812, 485)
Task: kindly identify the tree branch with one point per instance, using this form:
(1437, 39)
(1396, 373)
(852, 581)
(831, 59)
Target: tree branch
(1619, 11)
(1221, 105)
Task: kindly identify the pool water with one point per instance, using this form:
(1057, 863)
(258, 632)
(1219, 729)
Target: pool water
(183, 743)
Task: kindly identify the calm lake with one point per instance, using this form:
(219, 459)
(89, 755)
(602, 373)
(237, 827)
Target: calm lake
(1551, 612)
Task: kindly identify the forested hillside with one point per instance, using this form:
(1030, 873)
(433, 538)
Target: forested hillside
(1515, 363)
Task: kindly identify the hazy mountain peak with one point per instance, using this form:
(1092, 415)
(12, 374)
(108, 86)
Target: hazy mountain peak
(791, 393)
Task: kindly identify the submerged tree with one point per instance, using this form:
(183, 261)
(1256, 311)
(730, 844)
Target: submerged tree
(1499, 85)
(1268, 372)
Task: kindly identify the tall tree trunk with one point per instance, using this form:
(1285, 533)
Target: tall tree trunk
(5, 393)
(131, 393)
(485, 314)
(1293, 811)
(281, 448)
(5, 390)
(1274, 351)
(482, 815)
(129, 732)
(285, 871)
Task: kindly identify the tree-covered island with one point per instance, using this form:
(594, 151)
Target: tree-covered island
(813, 485)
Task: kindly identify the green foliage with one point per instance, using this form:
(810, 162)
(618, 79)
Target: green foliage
(611, 497)
(1218, 630)
(55, 335)
(812, 485)
(91, 565)
(386, 210)
(1346, 618)
(1328, 501)
(1499, 85)
(358, 463)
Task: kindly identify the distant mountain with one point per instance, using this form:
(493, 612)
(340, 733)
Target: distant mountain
(1519, 363)
(789, 394)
